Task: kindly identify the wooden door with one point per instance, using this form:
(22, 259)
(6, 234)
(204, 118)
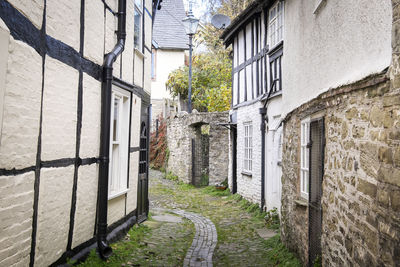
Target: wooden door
(143, 202)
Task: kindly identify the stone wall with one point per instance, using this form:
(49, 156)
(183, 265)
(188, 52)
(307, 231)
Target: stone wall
(361, 183)
(180, 131)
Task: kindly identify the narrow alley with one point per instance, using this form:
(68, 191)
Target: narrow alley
(182, 218)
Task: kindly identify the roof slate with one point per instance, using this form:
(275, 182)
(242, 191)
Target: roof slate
(168, 30)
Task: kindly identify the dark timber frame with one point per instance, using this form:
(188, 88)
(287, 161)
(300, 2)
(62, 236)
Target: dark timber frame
(22, 29)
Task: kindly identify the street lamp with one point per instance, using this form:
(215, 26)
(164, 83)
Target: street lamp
(190, 23)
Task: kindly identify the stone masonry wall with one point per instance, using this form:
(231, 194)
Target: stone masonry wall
(180, 131)
(361, 184)
(361, 187)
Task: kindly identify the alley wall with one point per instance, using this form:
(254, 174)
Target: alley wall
(50, 101)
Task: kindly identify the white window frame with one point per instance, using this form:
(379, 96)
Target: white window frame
(119, 143)
(248, 147)
(276, 23)
(304, 157)
(138, 10)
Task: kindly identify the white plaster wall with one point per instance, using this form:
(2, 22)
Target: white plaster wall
(94, 31)
(138, 68)
(249, 187)
(127, 55)
(273, 173)
(86, 200)
(21, 107)
(16, 208)
(53, 214)
(60, 99)
(67, 12)
(340, 44)
(32, 9)
(131, 198)
(166, 62)
(147, 71)
(116, 209)
(91, 112)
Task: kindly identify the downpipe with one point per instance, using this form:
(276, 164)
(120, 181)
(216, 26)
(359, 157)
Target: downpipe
(103, 247)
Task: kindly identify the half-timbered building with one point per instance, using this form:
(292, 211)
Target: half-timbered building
(74, 119)
(257, 39)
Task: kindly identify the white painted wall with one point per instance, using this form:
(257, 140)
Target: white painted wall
(340, 44)
(166, 62)
(273, 172)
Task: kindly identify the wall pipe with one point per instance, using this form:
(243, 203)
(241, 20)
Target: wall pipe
(264, 118)
(104, 249)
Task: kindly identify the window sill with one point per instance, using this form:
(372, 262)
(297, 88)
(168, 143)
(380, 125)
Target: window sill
(139, 53)
(246, 173)
(301, 202)
(123, 192)
(275, 48)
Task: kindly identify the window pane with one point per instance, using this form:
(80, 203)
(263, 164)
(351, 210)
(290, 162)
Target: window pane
(117, 102)
(138, 27)
(138, 3)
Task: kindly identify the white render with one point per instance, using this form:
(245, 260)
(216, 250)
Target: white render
(166, 62)
(39, 97)
(248, 186)
(341, 43)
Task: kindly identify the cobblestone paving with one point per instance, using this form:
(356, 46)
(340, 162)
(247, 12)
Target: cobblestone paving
(201, 251)
(238, 242)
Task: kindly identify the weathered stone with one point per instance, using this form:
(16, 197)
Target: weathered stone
(383, 197)
(367, 188)
(352, 113)
(395, 200)
(376, 116)
(345, 130)
(396, 157)
(391, 100)
(394, 134)
(389, 175)
(358, 131)
(385, 155)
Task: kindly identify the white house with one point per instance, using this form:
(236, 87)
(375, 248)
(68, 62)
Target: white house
(170, 44)
(257, 40)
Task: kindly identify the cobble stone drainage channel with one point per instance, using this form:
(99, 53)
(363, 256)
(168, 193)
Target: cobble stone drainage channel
(201, 251)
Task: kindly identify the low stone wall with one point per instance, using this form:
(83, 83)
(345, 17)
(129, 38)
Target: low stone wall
(361, 183)
(180, 131)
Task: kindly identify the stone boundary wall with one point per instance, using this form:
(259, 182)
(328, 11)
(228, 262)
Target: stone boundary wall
(181, 129)
(361, 184)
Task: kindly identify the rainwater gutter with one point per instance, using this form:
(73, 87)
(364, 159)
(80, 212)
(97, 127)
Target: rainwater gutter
(264, 121)
(104, 249)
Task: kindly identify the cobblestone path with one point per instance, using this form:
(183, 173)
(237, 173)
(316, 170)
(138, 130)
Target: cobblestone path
(201, 251)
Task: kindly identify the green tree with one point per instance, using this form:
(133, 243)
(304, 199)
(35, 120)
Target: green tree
(212, 71)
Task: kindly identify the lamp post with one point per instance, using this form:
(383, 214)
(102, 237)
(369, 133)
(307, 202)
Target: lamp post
(190, 23)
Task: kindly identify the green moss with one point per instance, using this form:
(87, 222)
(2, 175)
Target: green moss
(213, 191)
(278, 254)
